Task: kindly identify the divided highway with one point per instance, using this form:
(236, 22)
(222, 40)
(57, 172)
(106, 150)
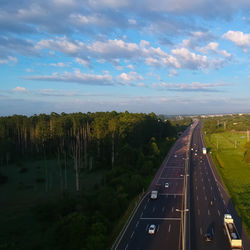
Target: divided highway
(192, 204)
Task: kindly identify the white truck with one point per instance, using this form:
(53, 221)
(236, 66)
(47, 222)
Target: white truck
(232, 233)
(204, 151)
(154, 194)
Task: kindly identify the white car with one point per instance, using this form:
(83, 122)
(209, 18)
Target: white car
(166, 185)
(151, 229)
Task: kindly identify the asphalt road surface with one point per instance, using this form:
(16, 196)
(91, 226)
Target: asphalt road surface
(203, 185)
(162, 211)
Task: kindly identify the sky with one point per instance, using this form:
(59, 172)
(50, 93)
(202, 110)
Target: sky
(163, 56)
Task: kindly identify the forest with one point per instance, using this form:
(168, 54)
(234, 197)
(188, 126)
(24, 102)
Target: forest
(66, 180)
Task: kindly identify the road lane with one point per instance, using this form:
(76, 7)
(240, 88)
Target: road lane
(162, 212)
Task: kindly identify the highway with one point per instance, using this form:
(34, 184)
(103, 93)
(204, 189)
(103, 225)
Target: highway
(162, 211)
(206, 186)
(187, 171)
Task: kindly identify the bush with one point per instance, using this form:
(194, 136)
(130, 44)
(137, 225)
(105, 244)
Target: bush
(3, 178)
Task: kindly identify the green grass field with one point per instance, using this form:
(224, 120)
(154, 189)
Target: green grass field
(228, 155)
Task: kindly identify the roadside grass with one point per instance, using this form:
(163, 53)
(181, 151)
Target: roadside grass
(228, 155)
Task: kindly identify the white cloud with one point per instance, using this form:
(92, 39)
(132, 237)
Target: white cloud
(173, 73)
(130, 66)
(131, 76)
(29, 70)
(194, 86)
(132, 21)
(20, 89)
(82, 62)
(60, 64)
(77, 77)
(8, 60)
(239, 38)
(213, 46)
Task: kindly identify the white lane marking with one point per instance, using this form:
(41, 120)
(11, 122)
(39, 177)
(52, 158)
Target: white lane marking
(196, 187)
(169, 227)
(141, 214)
(200, 230)
(218, 212)
(172, 209)
(137, 224)
(174, 218)
(175, 196)
(197, 197)
(202, 179)
(205, 197)
(126, 247)
(153, 209)
(199, 212)
(163, 209)
(214, 198)
(132, 235)
(203, 187)
(208, 212)
(211, 188)
(224, 202)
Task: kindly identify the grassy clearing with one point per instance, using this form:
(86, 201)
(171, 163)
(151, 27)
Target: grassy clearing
(228, 152)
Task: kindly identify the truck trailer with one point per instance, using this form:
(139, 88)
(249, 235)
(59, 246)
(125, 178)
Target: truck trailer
(231, 232)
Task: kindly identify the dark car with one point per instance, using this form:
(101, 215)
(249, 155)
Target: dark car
(209, 235)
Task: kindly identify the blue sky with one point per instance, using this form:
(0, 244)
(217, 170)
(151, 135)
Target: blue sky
(162, 56)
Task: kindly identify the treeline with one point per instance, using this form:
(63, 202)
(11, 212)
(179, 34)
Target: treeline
(233, 123)
(129, 147)
(226, 123)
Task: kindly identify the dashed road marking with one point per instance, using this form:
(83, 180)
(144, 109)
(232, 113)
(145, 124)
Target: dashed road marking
(169, 218)
(137, 224)
(153, 209)
(205, 197)
(196, 187)
(199, 212)
(169, 227)
(163, 209)
(203, 187)
(208, 212)
(172, 209)
(132, 235)
(197, 197)
(218, 212)
(141, 214)
(126, 247)
(200, 230)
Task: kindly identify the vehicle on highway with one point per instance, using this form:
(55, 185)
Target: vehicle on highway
(151, 229)
(209, 235)
(231, 232)
(166, 185)
(204, 151)
(154, 194)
